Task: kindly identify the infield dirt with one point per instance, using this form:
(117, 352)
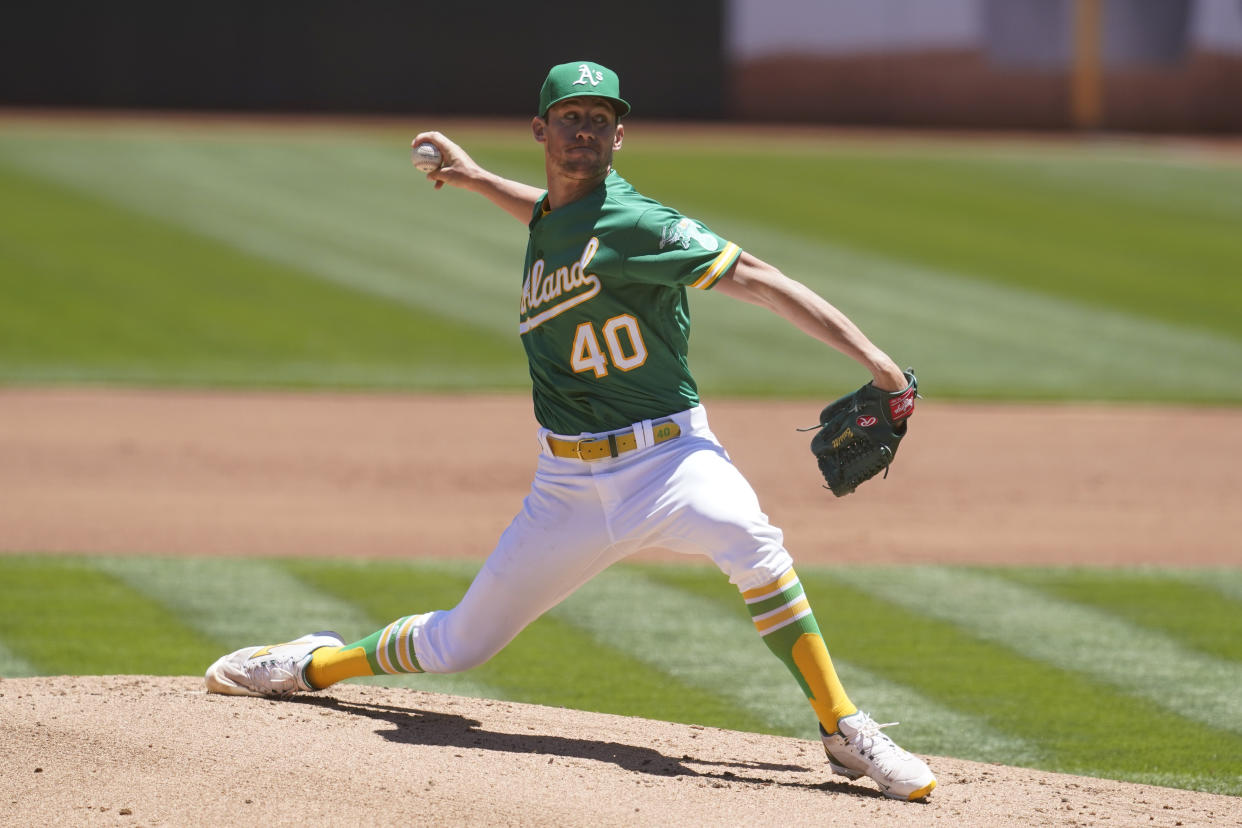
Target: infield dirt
(166, 472)
(316, 474)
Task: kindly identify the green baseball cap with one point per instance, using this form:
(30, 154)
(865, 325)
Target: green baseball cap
(579, 79)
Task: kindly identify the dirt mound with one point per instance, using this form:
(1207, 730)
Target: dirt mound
(143, 750)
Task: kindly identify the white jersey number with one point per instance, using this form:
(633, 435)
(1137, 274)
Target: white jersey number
(625, 352)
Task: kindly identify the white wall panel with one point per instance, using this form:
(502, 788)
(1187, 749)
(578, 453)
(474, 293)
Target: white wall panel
(760, 28)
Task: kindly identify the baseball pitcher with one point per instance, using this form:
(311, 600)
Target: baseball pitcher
(627, 458)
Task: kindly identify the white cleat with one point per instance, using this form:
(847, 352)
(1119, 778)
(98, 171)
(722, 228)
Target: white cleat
(274, 670)
(858, 748)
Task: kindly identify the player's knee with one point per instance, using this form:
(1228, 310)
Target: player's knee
(757, 569)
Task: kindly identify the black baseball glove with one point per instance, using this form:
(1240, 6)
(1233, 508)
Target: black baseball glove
(858, 434)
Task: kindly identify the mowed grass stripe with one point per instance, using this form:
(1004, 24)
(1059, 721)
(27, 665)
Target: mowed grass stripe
(551, 662)
(1076, 724)
(237, 601)
(13, 665)
(1197, 616)
(679, 634)
(63, 616)
(1078, 222)
(723, 648)
(970, 337)
(1226, 582)
(240, 602)
(1067, 635)
(136, 299)
(556, 662)
(332, 210)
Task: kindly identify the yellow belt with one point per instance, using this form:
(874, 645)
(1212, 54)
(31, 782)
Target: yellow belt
(612, 445)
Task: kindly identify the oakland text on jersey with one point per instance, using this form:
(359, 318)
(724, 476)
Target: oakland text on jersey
(539, 289)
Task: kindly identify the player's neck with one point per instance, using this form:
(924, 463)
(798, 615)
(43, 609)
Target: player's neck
(562, 191)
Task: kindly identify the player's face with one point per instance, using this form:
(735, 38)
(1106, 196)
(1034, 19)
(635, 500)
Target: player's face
(579, 137)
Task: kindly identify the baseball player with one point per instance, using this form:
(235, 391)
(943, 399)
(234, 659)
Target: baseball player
(627, 459)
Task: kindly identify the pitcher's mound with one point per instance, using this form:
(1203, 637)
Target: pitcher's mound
(148, 750)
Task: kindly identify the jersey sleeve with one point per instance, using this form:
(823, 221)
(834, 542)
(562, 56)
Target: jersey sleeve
(664, 247)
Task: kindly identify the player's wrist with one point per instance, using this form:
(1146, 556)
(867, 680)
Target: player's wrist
(886, 376)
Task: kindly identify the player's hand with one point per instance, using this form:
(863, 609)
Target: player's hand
(457, 167)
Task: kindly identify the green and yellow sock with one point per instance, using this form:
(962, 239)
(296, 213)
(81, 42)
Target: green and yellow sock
(390, 650)
(784, 619)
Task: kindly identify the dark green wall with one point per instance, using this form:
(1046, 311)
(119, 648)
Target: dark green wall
(368, 57)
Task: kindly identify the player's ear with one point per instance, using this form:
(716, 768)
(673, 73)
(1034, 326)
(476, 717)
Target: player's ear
(539, 127)
(618, 138)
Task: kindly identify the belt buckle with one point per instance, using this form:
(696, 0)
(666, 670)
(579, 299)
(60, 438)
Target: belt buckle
(611, 440)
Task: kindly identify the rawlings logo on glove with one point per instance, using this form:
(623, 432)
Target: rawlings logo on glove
(901, 404)
(858, 434)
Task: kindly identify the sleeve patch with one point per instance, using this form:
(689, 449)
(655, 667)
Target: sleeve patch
(683, 232)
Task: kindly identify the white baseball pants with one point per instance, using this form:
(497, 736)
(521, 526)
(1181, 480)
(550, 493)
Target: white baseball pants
(582, 516)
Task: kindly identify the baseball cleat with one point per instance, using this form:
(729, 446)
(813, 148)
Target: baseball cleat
(274, 670)
(858, 748)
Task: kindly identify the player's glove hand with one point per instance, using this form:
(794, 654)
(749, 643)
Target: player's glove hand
(859, 433)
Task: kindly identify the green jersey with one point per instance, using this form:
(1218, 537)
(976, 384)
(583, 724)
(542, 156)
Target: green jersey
(604, 314)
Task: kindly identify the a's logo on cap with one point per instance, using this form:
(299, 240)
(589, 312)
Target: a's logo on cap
(585, 75)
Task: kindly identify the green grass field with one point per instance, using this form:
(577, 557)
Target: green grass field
(208, 255)
(211, 255)
(1126, 674)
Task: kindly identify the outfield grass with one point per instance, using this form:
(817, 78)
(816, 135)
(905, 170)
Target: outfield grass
(1129, 674)
(226, 256)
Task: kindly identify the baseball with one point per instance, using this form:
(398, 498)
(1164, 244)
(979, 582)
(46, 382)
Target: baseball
(426, 157)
